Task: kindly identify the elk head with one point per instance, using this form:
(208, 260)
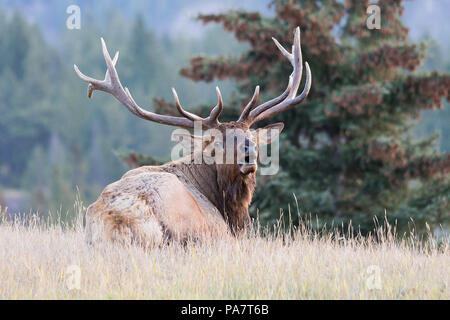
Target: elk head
(245, 150)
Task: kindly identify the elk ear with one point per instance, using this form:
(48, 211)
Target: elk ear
(267, 134)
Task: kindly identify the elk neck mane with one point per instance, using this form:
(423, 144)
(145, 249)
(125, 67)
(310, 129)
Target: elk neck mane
(229, 192)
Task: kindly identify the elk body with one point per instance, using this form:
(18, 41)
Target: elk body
(184, 199)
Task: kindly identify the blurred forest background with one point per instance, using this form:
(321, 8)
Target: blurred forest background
(56, 144)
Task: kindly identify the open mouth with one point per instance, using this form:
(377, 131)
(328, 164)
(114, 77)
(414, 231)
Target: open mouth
(248, 168)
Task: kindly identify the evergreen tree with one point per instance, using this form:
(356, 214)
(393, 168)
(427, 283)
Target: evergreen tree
(347, 153)
(25, 71)
(436, 121)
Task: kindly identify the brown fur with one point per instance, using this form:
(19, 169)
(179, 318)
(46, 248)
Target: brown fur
(176, 201)
(230, 192)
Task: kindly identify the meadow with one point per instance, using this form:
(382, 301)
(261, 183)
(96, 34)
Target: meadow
(43, 260)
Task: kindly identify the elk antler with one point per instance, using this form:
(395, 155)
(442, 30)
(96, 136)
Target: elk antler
(111, 84)
(212, 120)
(288, 98)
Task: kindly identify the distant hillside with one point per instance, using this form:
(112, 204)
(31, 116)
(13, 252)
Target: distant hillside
(165, 17)
(170, 17)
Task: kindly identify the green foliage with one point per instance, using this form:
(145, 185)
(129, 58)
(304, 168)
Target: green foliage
(346, 153)
(25, 71)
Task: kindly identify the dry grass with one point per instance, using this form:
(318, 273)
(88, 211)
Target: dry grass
(34, 258)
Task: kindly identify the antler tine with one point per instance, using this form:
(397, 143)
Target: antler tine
(183, 112)
(95, 84)
(282, 49)
(296, 63)
(244, 115)
(111, 84)
(288, 98)
(110, 66)
(288, 104)
(212, 119)
(269, 104)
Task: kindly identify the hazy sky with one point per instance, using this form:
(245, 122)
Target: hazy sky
(429, 16)
(176, 16)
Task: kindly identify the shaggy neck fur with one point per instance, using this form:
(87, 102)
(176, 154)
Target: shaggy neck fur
(223, 185)
(236, 192)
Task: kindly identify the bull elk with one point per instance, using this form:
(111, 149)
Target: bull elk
(182, 199)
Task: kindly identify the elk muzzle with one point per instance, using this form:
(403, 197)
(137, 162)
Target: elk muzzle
(249, 165)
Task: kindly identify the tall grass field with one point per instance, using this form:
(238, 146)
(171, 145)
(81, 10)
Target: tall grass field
(42, 260)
